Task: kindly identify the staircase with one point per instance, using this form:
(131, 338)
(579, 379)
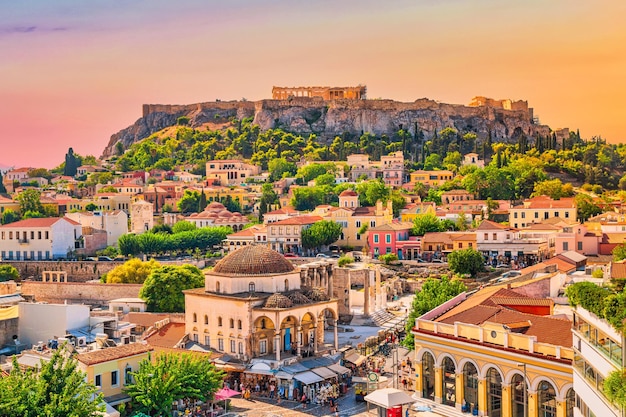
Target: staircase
(440, 409)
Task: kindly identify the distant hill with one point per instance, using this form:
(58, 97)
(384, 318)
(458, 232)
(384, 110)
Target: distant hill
(330, 118)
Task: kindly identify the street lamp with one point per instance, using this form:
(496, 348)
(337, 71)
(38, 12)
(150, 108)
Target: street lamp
(523, 365)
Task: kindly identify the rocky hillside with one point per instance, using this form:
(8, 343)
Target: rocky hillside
(328, 119)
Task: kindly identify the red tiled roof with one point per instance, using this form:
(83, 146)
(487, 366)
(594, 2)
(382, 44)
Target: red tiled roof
(167, 336)
(489, 225)
(145, 319)
(618, 270)
(299, 220)
(38, 222)
(113, 353)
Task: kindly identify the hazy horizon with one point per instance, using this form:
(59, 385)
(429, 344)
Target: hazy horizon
(74, 73)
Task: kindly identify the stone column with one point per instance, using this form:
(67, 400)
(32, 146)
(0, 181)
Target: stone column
(438, 384)
(300, 340)
(533, 403)
(378, 291)
(336, 322)
(277, 344)
(561, 408)
(315, 337)
(366, 293)
(506, 399)
(419, 388)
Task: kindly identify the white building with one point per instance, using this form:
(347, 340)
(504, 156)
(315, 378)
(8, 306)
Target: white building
(141, 218)
(42, 322)
(598, 351)
(114, 223)
(39, 239)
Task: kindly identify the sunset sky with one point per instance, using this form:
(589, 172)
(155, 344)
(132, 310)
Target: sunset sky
(73, 72)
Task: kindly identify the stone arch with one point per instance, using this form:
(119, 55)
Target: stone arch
(508, 378)
(561, 395)
(428, 375)
(470, 372)
(420, 354)
(439, 360)
(264, 323)
(288, 333)
(483, 372)
(290, 319)
(465, 361)
(518, 394)
(493, 382)
(570, 402)
(448, 381)
(333, 313)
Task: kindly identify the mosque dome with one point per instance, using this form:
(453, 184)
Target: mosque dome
(278, 300)
(253, 260)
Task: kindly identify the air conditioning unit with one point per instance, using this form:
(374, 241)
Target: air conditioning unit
(125, 340)
(81, 341)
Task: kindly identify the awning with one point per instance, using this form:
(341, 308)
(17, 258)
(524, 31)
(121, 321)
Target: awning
(283, 375)
(389, 397)
(341, 370)
(260, 368)
(355, 358)
(324, 372)
(308, 377)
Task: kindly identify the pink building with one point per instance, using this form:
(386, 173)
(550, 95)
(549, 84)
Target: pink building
(384, 239)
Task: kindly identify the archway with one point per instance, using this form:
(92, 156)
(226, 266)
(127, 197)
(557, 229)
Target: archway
(263, 336)
(327, 320)
(518, 396)
(306, 335)
(494, 393)
(547, 399)
(428, 376)
(570, 402)
(288, 331)
(470, 380)
(448, 382)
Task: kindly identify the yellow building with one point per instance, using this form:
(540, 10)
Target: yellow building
(411, 211)
(475, 353)
(110, 369)
(431, 178)
(541, 208)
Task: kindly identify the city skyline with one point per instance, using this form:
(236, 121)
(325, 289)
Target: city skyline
(75, 73)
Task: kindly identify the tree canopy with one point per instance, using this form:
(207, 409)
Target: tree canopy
(466, 261)
(171, 377)
(434, 292)
(322, 233)
(163, 289)
(30, 201)
(133, 271)
(425, 223)
(59, 389)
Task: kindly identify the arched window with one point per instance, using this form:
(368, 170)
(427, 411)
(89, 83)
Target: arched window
(428, 376)
(286, 285)
(263, 324)
(470, 377)
(219, 321)
(206, 319)
(547, 399)
(494, 393)
(570, 401)
(232, 323)
(251, 287)
(518, 396)
(217, 286)
(195, 318)
(239, 324)
(448, 382)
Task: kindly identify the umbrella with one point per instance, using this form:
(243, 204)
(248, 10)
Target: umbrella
(224, 394)
(389, 398)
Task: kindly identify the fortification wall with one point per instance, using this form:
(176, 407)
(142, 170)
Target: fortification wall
(196, 107)
(75, 292)
(76, 271)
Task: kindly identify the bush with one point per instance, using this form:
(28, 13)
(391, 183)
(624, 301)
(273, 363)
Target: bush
(8, 273)
(597, 273)
(388, 258)
(345, 260)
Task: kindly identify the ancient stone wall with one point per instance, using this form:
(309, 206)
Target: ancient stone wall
(8, 328)
(78, 271)
(76, 292)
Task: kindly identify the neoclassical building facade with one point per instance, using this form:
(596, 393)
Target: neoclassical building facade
(475, 353)
(256, 303)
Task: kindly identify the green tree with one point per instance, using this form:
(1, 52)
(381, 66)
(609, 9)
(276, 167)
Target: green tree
(133, 271)
(388, 258)
(129, 244)
(615, 387)
(554, 189)
(433, 162)
(322, 233)
(585, 207)
(307, 198)
(91, 207)
(9, 216)
(39, 172)
(172, 377)
(189, 202)
(345, 260)
(183, 226)
(427, 222)
(163, 289)
(619, 253)
(30, 201)
(3, 189)
(279, 167)
(59, 389)
(8, 273)
(466, 261)
(372, 191)
(434, 292)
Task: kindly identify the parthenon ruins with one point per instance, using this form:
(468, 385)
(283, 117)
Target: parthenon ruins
(327, 93)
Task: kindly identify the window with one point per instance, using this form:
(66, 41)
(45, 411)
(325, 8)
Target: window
(565, 245)
(206, 319)
(114, 379)
(32, 234)
(195, 337)
(207, 340)
(286, 285)
(239, 324)
(263, 347)
(128, 378)
(232, 323)
(388, 238)
(523, 214)
(375, 238)
(567, 214)
(580, 245)
(217, 286)
(251, 287)
(232, 346)
(195, 318)
(495, 236)
(241, 348)
(10, 235)
(357, 224)
(373, 223)
(220, 345)
(515, 215)
(486, 236)
(556, 214)
(460, 245)
(536, 215)
(46, 235)
(358, 236)
(2, 235)
(219, 322)
(546, 215)
(97, 381)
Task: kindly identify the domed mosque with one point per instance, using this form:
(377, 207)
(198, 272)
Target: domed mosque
(216, 214)
(256, 303)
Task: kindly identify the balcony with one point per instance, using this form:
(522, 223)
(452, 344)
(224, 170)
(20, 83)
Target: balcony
(23, 241)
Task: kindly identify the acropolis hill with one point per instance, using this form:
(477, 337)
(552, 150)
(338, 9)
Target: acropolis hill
(333, 111)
